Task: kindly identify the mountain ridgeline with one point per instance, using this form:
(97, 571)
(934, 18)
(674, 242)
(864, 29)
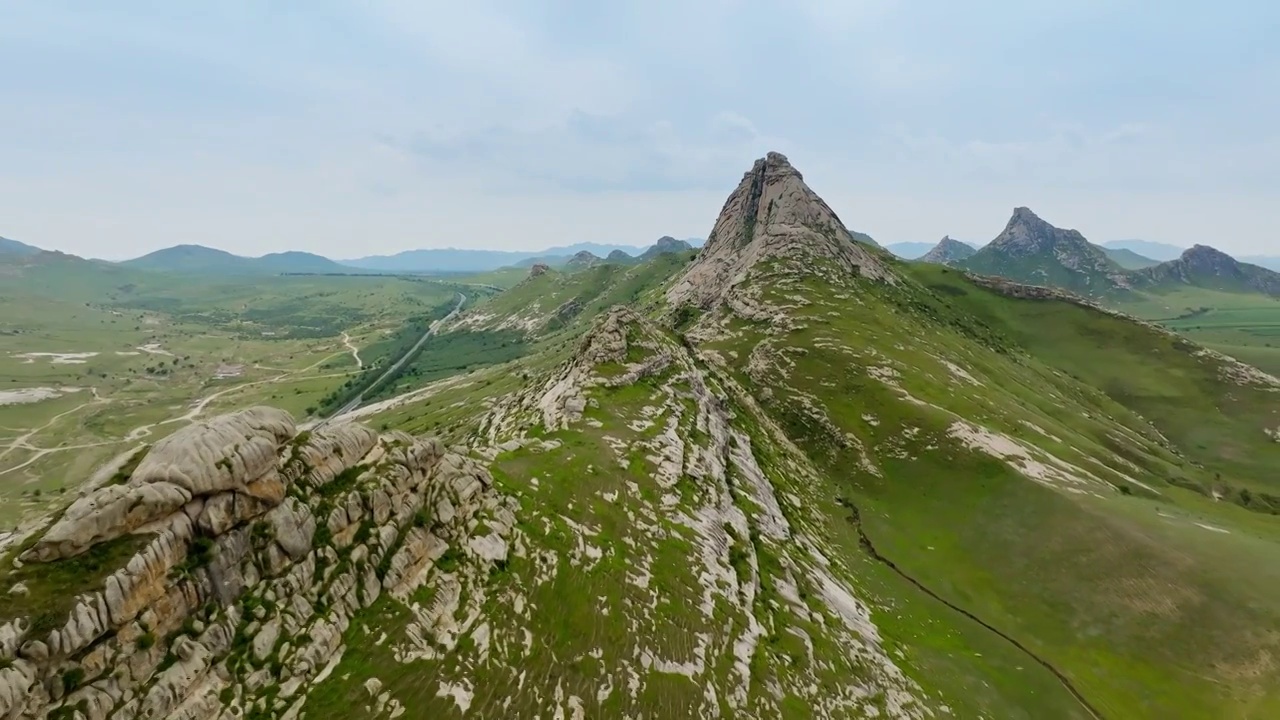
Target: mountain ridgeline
(788, 475)
(1030, 250)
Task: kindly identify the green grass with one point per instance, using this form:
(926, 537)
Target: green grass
(1245, 326)
(53, 587)
(1149, 614)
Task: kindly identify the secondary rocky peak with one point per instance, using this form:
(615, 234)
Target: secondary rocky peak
(1205, 266)
(1027, 233)
(1208, 257)
(948, 251)
(538, 269)
(582, 259)
(771, 215)
(666, 244)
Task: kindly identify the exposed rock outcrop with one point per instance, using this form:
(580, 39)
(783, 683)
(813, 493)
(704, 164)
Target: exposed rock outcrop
(261, 545)
(772, 215)
(230, 460)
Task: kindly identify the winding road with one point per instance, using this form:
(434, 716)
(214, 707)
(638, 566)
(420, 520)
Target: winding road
(435, 326)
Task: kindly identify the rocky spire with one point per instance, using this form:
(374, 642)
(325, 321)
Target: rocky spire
(771, 215)
(1026, 233)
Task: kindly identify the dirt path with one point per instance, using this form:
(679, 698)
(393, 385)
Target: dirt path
(435, 327)
(23, 440)
(355, 351)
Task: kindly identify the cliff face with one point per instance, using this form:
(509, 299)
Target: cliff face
(217, 577)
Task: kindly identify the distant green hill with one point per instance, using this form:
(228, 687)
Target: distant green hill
(1160, 252)
(1128, 259)
(201, 259)
(13, 247)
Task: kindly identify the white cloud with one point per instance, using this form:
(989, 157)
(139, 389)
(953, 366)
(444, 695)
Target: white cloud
(391, 124)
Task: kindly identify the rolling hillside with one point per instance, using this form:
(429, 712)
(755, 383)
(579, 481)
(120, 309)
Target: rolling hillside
(787, 476)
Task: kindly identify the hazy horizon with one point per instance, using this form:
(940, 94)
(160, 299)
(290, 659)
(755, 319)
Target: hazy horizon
(352, 129)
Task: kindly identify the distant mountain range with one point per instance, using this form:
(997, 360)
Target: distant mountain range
(200, 259)
(13, 247)
(207, 260)
(463, 260)
(1030, 250)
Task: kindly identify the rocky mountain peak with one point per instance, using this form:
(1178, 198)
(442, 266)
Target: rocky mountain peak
(1203, 257)
(948, 251)
(771, 215)
(1027, 233)
(666, 244)
(1203, 266)
(538, 269)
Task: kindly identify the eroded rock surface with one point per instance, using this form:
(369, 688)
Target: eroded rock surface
(262, 545)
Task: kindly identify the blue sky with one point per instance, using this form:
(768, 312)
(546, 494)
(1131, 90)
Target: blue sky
(351, 128)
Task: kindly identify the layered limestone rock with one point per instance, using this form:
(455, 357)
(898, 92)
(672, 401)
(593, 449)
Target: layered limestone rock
(772, 215)
(260, 547)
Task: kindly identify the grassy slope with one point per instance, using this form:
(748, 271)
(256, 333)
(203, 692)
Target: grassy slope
(1243, 325)
(1131, 588)
(1128, 259)
(1038, 270)
(1150, 613)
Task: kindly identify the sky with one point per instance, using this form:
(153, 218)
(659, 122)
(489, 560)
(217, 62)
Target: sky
(358, 127)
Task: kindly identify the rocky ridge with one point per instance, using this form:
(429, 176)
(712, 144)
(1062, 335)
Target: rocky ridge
(258, 547)
(772, 216)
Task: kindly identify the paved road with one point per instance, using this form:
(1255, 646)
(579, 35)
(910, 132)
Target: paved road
(357, 400)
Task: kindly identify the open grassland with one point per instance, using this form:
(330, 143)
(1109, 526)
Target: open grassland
(80, 380)
(1245, 326)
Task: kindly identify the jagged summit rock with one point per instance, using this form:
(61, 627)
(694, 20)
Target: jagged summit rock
(1208, 267)
(1026, 233)
(666, 244)
(772, 215)
(538, 269)
(1031, 250)
(948, 252)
